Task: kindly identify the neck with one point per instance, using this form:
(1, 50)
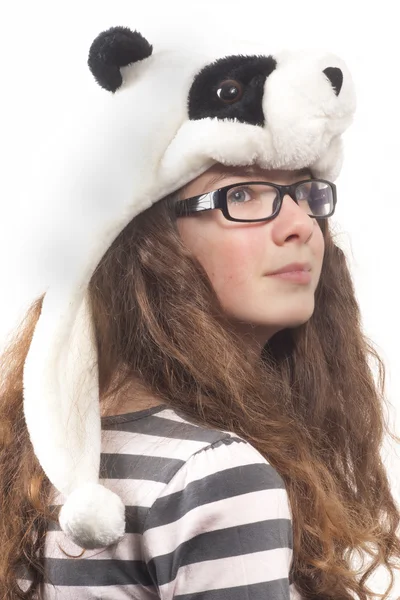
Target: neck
(133, 397)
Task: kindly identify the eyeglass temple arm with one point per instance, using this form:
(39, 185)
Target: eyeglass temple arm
(199, 203)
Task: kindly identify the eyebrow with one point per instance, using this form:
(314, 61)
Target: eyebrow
(246, 172)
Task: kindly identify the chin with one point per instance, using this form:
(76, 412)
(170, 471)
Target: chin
(287, 322)
(297, 320)
(278, 317)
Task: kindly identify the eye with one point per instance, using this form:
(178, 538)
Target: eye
(230, 91)
(239, 195)
(302, 192)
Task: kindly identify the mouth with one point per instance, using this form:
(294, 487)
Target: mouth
(292, 268)
(293, 276)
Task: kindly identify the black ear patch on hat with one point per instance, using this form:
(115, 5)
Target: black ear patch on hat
(335, 76)
(112, 49)
(231, 88)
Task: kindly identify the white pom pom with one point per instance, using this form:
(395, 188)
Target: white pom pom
(93, 516)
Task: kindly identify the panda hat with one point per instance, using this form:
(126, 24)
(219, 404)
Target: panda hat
(164, 119)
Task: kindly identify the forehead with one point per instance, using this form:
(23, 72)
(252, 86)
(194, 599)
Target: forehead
(254, 170)
(219, 175)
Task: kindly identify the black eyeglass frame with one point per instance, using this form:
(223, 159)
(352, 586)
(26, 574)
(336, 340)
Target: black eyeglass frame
(218, 199)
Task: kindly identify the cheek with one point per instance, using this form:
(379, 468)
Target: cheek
(318, 249)
(235, 260)
(232, 257)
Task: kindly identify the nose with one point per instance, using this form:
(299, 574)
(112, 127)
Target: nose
(289, 204)
(294, 217)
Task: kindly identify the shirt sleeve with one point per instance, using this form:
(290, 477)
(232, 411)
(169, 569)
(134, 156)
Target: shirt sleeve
(221, 529)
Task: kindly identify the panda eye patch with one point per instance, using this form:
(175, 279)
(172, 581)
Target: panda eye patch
(230, 91)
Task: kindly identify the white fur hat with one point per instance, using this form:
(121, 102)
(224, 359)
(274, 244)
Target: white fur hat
(165, 118)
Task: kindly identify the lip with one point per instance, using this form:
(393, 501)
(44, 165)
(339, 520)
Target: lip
(293, 267)
(294, 276)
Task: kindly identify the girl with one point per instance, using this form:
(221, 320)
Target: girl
(188, 412)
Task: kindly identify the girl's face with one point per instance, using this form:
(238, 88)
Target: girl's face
(238, 256)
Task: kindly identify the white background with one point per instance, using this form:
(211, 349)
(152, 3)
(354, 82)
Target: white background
(43, 53)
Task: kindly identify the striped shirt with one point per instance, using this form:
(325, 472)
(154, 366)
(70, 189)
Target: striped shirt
(207, 518)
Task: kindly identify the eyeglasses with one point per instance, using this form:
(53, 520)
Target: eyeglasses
(253, 201)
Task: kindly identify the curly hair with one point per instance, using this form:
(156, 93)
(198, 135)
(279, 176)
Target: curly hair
(309, 404)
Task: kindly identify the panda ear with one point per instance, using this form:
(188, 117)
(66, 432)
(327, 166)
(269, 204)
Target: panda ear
(112, 49)
(335, 76)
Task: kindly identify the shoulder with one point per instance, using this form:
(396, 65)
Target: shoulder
(225, 515)
(206, 450)
(216, 450)
(163, 458)
(223, 466)
(164, 433)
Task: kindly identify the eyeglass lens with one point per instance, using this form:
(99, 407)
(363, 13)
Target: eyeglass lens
(259, 201)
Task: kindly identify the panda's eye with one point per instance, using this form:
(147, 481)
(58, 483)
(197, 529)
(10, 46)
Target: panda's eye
(230, 91)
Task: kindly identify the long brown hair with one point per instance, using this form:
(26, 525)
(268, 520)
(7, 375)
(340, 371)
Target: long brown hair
(309, 404)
